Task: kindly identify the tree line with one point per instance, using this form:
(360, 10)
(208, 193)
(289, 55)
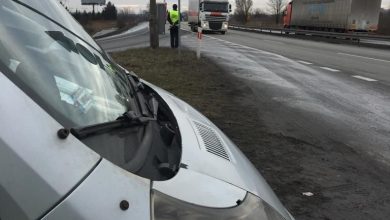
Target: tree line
(245, 11)
(122, 18)
(109, 12)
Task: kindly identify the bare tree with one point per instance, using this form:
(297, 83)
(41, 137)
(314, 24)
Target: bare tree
(243, 9)
(276, 7)
(258, 11)
(126, 11)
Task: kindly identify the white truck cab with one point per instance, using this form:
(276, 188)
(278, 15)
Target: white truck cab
(210, 15)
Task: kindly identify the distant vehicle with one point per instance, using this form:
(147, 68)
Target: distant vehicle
(83, 138)
(334, 15)
(210, 15)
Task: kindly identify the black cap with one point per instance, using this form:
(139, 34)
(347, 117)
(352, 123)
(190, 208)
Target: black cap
(174, 7)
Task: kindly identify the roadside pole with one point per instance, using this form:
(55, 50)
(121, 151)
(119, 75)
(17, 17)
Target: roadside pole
(153, 25)
(166, 14)
(179, 39)
(199, 36)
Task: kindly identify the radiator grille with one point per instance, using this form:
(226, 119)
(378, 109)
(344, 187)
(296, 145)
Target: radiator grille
(215, 25)
(216, 18)
(211, 141)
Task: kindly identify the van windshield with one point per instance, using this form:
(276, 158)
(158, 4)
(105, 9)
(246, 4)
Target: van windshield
(62, 72)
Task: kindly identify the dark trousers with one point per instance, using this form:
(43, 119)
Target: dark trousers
(174, 36)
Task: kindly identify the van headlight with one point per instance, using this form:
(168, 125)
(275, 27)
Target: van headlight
(252, 208)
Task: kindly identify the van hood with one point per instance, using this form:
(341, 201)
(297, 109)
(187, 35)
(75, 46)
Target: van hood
(209, 157)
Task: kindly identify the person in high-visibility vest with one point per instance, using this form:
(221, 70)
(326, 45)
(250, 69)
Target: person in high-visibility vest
(174, 19)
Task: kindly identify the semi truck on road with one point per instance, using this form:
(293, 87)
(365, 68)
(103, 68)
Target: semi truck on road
(210, 15)
(333, 15)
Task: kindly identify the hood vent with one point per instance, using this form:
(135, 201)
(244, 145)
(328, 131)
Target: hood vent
(211, 141)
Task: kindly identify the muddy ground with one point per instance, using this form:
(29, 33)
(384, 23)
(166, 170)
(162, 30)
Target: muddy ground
(345, 184)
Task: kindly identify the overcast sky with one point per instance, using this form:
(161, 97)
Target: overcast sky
(141, 4)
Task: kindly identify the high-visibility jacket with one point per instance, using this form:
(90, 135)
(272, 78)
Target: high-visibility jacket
(174, 16)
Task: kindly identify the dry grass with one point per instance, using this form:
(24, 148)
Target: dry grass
(198, 82)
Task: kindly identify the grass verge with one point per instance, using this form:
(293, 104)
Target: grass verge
(198, 82)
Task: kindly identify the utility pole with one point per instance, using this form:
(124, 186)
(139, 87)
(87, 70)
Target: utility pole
(179, 40)
(93, 10)
(153, 25)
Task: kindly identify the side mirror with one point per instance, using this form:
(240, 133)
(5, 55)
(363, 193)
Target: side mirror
(230, 8)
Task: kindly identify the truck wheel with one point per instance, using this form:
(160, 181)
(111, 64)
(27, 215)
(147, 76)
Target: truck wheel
(223, 32)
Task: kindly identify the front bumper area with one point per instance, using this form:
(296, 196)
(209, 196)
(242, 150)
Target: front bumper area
(214, 26)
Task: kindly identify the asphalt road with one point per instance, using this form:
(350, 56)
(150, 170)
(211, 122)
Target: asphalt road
(333, 97)
(318, 92)
(133, 38)
(368, 62)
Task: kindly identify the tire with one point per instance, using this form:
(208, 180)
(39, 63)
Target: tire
(223, 32)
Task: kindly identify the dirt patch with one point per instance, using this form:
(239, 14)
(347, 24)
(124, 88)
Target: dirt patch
(345, 184)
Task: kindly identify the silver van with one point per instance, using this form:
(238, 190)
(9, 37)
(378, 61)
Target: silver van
(82, 138)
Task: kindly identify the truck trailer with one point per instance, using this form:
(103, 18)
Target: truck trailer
(210, 15)
(333, 15)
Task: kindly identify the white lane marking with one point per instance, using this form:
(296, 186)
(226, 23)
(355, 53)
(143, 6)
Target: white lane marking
(365, 78)
(301, 61)
(304, 62)
(329, 69)
(245, 47)
(369, 58)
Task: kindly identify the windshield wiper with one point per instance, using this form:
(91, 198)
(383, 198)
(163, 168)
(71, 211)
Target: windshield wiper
(146, 107)
(128, 119)
(136, 86)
